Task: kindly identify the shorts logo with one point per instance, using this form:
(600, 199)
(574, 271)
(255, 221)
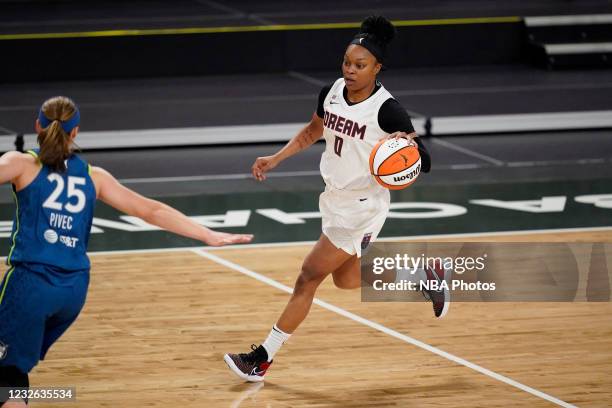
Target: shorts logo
(366, 240)
(3, 351)
(50, 236)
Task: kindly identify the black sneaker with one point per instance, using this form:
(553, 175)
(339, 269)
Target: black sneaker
(249, 366)
(441, 297)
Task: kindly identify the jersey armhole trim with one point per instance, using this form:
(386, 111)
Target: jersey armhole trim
(17, 225)
(34, 155)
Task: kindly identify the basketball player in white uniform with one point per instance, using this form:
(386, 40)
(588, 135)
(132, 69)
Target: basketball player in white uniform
(354, 206)
(353, 114)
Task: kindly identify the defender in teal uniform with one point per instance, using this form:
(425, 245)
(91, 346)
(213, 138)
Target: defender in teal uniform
(45, 286)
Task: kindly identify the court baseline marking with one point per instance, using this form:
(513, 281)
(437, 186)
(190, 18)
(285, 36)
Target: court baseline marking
(384, 329)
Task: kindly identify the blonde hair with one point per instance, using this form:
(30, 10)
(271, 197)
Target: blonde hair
(55, 144)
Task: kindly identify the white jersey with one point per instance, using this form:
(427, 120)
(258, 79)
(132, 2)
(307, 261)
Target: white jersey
(350, 132)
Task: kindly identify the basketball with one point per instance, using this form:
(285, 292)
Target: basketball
(395, 164)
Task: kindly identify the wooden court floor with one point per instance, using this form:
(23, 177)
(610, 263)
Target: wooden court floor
(156, 325)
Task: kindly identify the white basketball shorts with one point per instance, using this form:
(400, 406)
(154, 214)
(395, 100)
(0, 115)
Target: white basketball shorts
(353, 219)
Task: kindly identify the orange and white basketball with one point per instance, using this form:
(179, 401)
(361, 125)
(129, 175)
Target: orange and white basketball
(395, 164)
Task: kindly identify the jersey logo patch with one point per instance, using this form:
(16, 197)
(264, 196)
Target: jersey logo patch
(366, 240)
(50, 236)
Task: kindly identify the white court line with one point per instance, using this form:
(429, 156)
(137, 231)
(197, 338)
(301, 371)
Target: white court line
(385, 239)
(386, 330)
(235, 12)
(469, 152)
(466, 166)
(221, 7)
(555, 162)
(307, 78)
(8, 132)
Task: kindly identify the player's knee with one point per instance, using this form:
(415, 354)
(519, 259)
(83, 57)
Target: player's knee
(310, 278)
(344, 282)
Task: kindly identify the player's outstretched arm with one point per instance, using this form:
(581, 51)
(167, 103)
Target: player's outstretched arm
(305, 138)
(113, 193)
(11, 166)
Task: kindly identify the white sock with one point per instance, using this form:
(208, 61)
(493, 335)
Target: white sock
(275, 340)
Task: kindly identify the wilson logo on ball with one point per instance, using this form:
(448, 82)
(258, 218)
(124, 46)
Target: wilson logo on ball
(395, 164)
(412, 175)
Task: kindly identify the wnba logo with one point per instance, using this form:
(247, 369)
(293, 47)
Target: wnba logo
(3, 350)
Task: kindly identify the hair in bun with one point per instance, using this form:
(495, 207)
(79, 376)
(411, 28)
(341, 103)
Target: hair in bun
(379, 29)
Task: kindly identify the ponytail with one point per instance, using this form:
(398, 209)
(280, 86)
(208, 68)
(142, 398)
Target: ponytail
(54, 146)
(57, 117)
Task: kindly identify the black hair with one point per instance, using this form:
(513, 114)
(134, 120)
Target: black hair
(375, 34)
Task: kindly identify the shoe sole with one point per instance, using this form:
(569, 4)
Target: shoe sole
(232, 366)
(446, 304)
(447, 295)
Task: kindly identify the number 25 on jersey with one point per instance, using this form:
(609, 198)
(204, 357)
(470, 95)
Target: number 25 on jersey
(73, 191)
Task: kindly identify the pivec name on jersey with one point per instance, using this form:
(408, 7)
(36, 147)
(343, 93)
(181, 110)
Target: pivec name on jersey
(61, 221)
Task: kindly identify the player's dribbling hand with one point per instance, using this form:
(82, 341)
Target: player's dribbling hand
(217, 238)
(263, 165)
(403, 135)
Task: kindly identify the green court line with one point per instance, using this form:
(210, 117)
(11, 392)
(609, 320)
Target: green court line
(242, 29)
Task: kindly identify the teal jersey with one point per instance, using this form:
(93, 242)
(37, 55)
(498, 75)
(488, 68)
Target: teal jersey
(53, 218)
